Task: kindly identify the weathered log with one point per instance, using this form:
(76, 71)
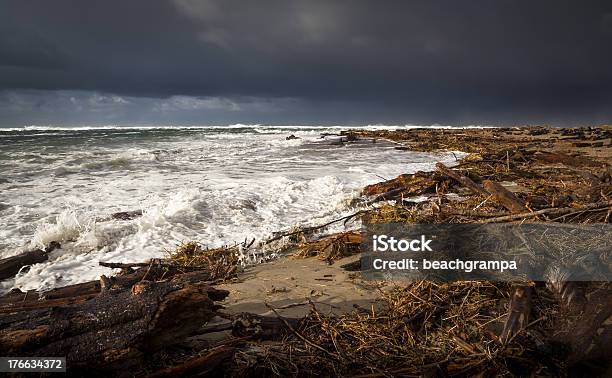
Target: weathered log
(87, 290)
(10, 266)
(504, 196)
(408, 184)
(122, 265)
(204, 365)
(570, 161)
(463, 180)
(113, 328)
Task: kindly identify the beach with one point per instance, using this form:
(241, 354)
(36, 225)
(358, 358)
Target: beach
(295, 282)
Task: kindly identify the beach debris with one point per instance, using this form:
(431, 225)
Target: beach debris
(519, 311)
(354, 266)
(423, 328)
(110, 331)
(415, 327)
(299, 234)
(463, 180)
(332, 247)
(504, 196)
(222, 262)
(11, 266)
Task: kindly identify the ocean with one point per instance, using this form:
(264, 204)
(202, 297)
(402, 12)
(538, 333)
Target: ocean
(214, 185)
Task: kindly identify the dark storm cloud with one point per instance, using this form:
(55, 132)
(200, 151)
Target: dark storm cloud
(309, 61)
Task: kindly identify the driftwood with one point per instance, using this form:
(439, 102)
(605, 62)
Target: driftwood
(463, 180)
(553, 211)
(570, 161)
(123, 265)
(10, 266)
(262, 327)
(591, 335)
(113, 329)
(204, 365)
(504, 196)
(84, 291)
(518, 312)
(311, 229)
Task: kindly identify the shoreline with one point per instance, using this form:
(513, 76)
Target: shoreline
(508, 175)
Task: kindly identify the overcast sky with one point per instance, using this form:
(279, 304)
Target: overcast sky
(305, 62)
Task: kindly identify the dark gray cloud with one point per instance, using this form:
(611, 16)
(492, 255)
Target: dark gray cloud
(193, 61)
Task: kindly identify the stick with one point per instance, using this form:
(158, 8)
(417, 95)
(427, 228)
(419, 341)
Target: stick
(518, 312)
(310, 229)
(504, 196)
(122, 265)
(550, 211)
(463, 180)
(298, 334)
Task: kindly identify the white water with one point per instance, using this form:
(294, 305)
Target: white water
(213, 185)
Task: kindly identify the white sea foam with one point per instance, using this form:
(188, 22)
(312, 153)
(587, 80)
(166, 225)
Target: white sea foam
(216, 186)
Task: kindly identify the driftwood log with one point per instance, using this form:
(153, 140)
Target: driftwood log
(504, 196)
(463, 180)
(10, 266)
(205, 365)
(114, 328)
(153, 271)
(518, 312)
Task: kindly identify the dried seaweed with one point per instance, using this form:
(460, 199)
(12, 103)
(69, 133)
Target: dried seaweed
(221, 262)
(414, 328)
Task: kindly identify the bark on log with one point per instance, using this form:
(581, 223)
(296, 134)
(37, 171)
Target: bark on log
(84, 291)
(461, 179)
(504, 196)
(113, 328)
(204, 365)
(10, 266)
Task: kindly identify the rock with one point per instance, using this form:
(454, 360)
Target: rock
(291, 137)
(126, 215)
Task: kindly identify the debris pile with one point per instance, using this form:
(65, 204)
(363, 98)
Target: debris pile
(332, 247)
(419, 329)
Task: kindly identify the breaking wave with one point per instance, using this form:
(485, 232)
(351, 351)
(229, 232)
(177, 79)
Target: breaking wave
(216, 186)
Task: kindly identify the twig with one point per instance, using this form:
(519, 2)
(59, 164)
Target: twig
(307, 341)
(550, 210)
(313, 228)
